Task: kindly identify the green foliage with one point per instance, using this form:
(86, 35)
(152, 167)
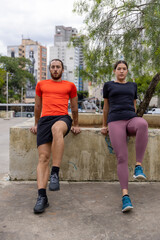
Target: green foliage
(18, 76)
(82, 94)
(2, 82)
(124, 29)
(2, 77)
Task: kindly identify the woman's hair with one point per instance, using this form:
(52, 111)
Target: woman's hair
(118, 62)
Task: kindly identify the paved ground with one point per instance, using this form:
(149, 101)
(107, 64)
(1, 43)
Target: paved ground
(4, 142)
(79, 211)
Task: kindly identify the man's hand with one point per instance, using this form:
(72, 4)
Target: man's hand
(34, 129)
(104, 130)
(75, 129)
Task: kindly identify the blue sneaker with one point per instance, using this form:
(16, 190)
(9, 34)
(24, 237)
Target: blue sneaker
(126, 203)
(138, 173)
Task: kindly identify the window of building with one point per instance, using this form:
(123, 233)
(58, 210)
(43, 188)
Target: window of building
(31, 54)
(12, 54)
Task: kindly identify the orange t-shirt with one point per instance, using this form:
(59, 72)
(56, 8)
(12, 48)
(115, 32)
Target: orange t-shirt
(55, 96)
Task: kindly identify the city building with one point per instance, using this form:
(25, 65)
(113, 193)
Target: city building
(38, 55)
(71, 56)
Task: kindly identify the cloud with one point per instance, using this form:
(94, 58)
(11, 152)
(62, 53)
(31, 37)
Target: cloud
(34, 19)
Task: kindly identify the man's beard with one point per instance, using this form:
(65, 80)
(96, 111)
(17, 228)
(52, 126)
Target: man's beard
(56, 77)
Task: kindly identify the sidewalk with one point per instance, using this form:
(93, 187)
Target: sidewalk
(79, 211)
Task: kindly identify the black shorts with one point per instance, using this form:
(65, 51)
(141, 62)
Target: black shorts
(44, 132)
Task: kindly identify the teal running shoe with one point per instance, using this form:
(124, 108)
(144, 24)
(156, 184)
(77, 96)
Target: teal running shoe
(138, 173)
(126, 203)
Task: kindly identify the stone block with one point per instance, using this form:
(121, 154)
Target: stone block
(87, 156)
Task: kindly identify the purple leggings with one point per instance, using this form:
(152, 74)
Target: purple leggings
(118, 132)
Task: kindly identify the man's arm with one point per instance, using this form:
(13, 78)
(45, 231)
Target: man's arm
(104, 129)
(74, 108)
(37, 113)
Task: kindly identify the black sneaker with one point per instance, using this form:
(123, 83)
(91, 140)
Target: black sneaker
(54, 183)
(41, 204)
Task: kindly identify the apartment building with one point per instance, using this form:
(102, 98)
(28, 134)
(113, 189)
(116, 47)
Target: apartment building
(38, 56)
(71, 56)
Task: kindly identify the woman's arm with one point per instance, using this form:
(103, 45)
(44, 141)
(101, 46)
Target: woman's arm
(135, 105)
(104, 129)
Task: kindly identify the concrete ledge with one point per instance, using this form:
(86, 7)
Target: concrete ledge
(95, 120)
(3, 114)
(87, 156)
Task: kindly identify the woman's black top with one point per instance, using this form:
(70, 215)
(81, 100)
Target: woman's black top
(121, 100)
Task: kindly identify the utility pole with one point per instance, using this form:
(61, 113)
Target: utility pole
(21, 99)
(7, 118)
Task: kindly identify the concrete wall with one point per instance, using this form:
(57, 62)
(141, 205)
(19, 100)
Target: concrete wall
(86, 156)
(3, 114)
(95, 120)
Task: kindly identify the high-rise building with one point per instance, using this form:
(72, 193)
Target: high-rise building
(38, 56)
(71, 56)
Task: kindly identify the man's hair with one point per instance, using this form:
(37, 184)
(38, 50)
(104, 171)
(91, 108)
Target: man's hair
(118, 62)
(56, 60)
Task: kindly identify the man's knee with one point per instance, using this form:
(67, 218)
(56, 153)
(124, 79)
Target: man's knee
(59, 131)
(44, 158)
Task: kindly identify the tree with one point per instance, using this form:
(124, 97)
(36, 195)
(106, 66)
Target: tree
(128, 29)
(82, 95)
(18, 77)
(2, 82)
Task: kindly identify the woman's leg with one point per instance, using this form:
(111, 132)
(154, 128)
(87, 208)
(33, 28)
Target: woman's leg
(118, 137)
(139, 127)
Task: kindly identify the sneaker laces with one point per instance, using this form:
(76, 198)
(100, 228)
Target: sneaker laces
(39, 200)
(53, 178)
(139, 169)
(126, 199)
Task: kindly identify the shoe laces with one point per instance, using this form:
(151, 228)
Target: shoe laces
(126, 199)
(39, 200)
(53, 178)
(139, 169)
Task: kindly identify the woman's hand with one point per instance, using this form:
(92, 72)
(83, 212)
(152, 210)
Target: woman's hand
(104, 130)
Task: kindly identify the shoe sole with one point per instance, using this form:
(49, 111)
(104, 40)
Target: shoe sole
(127, 209)
(41, 211)
(57, 189)
(139, 177)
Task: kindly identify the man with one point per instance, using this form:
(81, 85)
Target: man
(52, 124)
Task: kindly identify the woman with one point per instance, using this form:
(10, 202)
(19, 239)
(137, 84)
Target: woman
(119, 112)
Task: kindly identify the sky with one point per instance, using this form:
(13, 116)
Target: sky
(34, 19)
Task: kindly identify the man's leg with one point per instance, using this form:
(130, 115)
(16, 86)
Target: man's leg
(44, 152)
(59, 129)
